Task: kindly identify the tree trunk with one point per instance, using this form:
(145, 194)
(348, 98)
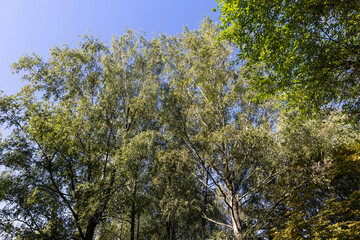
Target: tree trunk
(133, 214)
(235, 217)
(168, 229)
(234, 210)
(90, 229)
(138, 227)
(170, 226)
(236, 229)
(204, 207)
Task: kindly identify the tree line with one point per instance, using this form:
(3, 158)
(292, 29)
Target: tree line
(166, 138)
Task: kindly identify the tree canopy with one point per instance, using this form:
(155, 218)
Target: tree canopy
(71, 125)
(304, 50)
(160, 139)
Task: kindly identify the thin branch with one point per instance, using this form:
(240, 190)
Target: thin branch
(202, 181)
(218, 223)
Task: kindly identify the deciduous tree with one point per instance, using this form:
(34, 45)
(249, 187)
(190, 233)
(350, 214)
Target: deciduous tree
(73, 126)
(230, 139)
(306, 50)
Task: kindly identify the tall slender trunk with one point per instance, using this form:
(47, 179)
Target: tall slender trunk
(173, 230)
(204, 207)
(138, 227)
(133, 213)
(170, 226)
(235, 218)
(168, 229)
(90, 228)
(234, 210)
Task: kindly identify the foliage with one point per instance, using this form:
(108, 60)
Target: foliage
(82, 108)
(161, 139)
(230, 139)
(323, 180)
(307, 51)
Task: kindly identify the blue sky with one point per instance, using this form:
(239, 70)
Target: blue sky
(28, 26)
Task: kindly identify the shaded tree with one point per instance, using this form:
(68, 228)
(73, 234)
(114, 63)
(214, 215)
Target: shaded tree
(320, 181)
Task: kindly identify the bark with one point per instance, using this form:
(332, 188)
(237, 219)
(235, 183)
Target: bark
(170, 229)
(173, 230)
(138, 227)
(204, 208)
(95, 218)
(90, 229)
(235, 217)
(133, 214)
(234, 210)
(170, 225)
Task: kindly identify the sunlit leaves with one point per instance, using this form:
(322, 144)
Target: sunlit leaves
(309, 49)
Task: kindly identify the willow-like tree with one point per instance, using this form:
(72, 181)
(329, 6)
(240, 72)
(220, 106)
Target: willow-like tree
(72, 127)
(230, 140)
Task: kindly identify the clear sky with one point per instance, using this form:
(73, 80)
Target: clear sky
(28, 26)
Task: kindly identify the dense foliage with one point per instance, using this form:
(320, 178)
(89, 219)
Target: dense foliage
(306, 50)
(160, 139)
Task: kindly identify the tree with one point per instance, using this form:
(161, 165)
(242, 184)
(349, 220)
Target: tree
(339, 218)
(160, 139)
(207, 108)
(175, 211)
(71, 126)
(305, 50)
(321, 184)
